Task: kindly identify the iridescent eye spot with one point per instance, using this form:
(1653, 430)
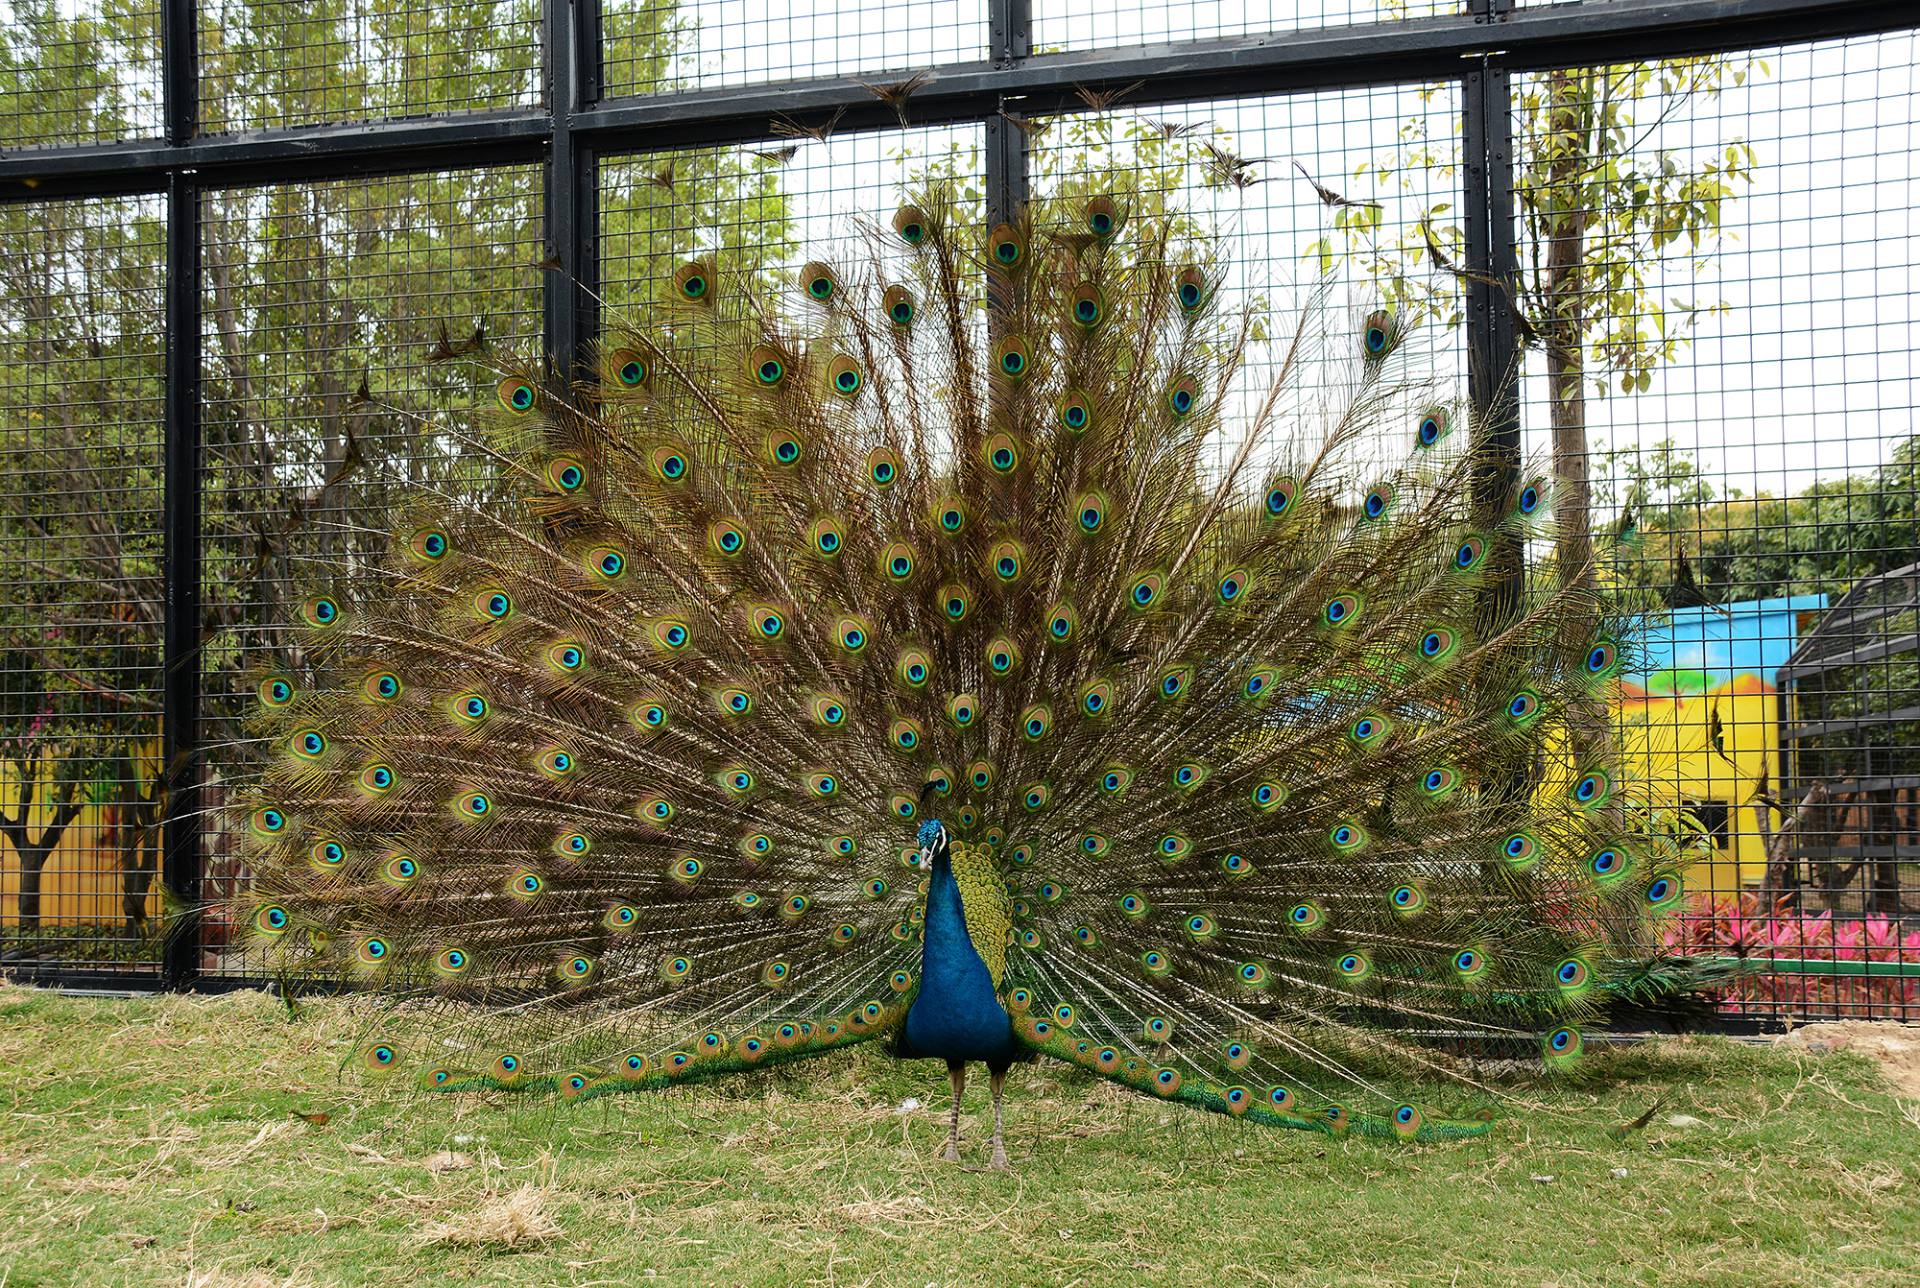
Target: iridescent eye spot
(1600, 657)
(1607, 863)
(1523, 706)
(272, 919)
(1376, 503)
(516, 395)
(1529, 499)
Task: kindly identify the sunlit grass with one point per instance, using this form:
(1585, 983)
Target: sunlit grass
(159, 1141)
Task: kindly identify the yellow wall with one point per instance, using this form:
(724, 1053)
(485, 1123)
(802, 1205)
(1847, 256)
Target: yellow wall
(81, 883)
(1665, 745)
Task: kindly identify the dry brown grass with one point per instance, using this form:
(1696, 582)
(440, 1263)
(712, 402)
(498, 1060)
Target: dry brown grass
(211, 1142)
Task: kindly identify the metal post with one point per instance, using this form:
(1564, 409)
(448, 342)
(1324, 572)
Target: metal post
(1493, 358)
(572, 196)
(1010, 41)
(180, 691)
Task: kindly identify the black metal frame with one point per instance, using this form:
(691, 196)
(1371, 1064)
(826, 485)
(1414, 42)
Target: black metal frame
(1480, 49)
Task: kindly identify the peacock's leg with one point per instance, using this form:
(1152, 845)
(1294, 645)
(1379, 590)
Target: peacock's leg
(957, 1073)
(997, 1078)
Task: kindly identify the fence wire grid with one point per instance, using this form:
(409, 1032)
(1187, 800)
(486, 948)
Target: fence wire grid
(1681, 282)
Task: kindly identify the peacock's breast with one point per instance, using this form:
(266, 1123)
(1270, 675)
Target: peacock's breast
(957, 1013)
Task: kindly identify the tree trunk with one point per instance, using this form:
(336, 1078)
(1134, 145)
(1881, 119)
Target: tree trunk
(33, 852)
(1570, 100)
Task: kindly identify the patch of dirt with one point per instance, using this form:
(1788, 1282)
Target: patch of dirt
(1894, 1047)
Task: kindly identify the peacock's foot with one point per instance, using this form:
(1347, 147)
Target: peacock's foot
(998, 1162)
(952, 1152)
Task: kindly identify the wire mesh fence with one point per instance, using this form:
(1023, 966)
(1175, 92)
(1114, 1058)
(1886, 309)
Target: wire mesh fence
(1718, 261)
(80, 383)
(1712, 291)
(341, 356)
(78, 73)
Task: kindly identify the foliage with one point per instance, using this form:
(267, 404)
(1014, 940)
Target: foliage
(1820, 541)
(313, 292)
(1607, 215)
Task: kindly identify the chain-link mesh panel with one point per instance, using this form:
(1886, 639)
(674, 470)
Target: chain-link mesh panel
(78, 72)
(350, 328)
(1717, 278)
(266, 63)
(1291, 207)
(81, 347)
(1062, 25)
(670, 46)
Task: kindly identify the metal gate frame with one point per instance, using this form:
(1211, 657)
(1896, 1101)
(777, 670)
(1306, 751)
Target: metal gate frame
(1480, 49)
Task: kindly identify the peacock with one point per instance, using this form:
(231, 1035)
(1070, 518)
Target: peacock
(955, 648)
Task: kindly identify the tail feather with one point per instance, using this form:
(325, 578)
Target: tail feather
(634, 754)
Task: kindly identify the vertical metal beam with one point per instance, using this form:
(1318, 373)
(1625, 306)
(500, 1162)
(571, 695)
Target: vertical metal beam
(180, 691)
(1493, 357)
(179, 70)
(1009, 40)
(572, 196)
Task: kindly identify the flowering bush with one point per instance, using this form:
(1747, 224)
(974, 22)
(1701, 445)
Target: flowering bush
(1725, 926)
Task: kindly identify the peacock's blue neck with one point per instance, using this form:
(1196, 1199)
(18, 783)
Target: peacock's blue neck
(956, 1015)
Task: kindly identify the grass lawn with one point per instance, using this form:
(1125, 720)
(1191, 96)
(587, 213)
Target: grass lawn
(162, 1141)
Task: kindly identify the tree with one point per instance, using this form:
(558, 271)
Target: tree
(409, 287)
(1602, 202)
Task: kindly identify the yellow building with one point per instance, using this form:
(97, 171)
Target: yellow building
(1698, 718)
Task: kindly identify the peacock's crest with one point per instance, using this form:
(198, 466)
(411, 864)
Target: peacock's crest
(1238, 756)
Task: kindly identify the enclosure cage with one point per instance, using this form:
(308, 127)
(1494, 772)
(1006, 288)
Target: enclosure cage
(1850, 754)
(257, 252)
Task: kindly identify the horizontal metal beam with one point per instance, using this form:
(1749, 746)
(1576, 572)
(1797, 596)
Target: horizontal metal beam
(269, 156)
(1277, 63)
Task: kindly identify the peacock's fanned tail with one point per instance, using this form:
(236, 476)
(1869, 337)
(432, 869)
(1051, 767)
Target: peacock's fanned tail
(622, 775)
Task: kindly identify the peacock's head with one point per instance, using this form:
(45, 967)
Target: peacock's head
(932, 839)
